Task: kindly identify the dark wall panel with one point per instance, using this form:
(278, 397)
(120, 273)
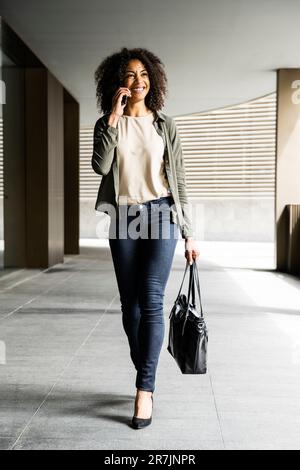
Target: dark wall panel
(36, 167)
(14, 168)
(71, 178)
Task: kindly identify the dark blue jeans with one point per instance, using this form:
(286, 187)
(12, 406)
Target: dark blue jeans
(142, 263)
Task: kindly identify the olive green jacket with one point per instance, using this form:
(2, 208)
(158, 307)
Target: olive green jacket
(105, 162)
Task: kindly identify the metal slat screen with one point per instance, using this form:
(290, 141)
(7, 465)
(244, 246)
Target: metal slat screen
(229, 153)
(89, 180)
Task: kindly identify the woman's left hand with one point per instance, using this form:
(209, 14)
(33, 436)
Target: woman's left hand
(191, 249)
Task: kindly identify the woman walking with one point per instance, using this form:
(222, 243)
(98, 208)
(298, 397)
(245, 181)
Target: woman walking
(137, 149)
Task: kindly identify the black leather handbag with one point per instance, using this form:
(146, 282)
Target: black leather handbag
(188, 333)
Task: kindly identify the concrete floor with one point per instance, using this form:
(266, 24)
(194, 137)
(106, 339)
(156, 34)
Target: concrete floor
(67, 382)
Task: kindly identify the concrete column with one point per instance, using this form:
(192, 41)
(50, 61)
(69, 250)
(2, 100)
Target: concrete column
(288, 158)
(44, 169)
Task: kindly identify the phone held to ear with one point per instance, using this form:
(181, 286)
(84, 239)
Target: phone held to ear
(124, 100)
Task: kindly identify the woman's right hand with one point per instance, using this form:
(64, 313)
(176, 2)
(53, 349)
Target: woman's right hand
(117, 107)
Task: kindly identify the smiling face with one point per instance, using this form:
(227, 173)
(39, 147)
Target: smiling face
(136, 78)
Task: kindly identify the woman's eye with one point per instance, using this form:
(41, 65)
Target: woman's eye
(130, 76)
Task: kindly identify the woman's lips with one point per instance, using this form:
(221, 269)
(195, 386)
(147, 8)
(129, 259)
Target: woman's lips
(137, 90)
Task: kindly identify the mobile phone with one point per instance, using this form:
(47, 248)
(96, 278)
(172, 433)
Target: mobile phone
(124, 99)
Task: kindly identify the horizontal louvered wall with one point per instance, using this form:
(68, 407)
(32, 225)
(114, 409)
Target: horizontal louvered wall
(89, 180)
(228, 153)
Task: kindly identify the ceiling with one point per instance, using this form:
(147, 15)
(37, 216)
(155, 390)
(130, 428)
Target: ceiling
(216, 52)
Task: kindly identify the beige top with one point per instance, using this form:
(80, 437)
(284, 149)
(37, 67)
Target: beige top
(140, 153)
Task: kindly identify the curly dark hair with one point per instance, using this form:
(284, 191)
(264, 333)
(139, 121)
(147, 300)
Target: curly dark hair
(109, 76)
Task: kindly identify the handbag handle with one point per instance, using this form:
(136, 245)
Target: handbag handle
(193, 270)
(194, 277)
(196, 280)
(191, 283)
(178, 295)
(186, 266)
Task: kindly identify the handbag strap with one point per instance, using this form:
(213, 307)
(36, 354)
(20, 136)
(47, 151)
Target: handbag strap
(196, 280)
(183, 279)
(191, 282)
(193, 288)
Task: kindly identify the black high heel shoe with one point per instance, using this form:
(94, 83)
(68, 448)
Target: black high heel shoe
(140, 423)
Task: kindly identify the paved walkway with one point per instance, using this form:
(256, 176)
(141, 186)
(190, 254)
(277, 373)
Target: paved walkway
(67, 382)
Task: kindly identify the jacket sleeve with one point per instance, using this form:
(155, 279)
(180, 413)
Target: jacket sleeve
(187, 230)
(104, 142)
